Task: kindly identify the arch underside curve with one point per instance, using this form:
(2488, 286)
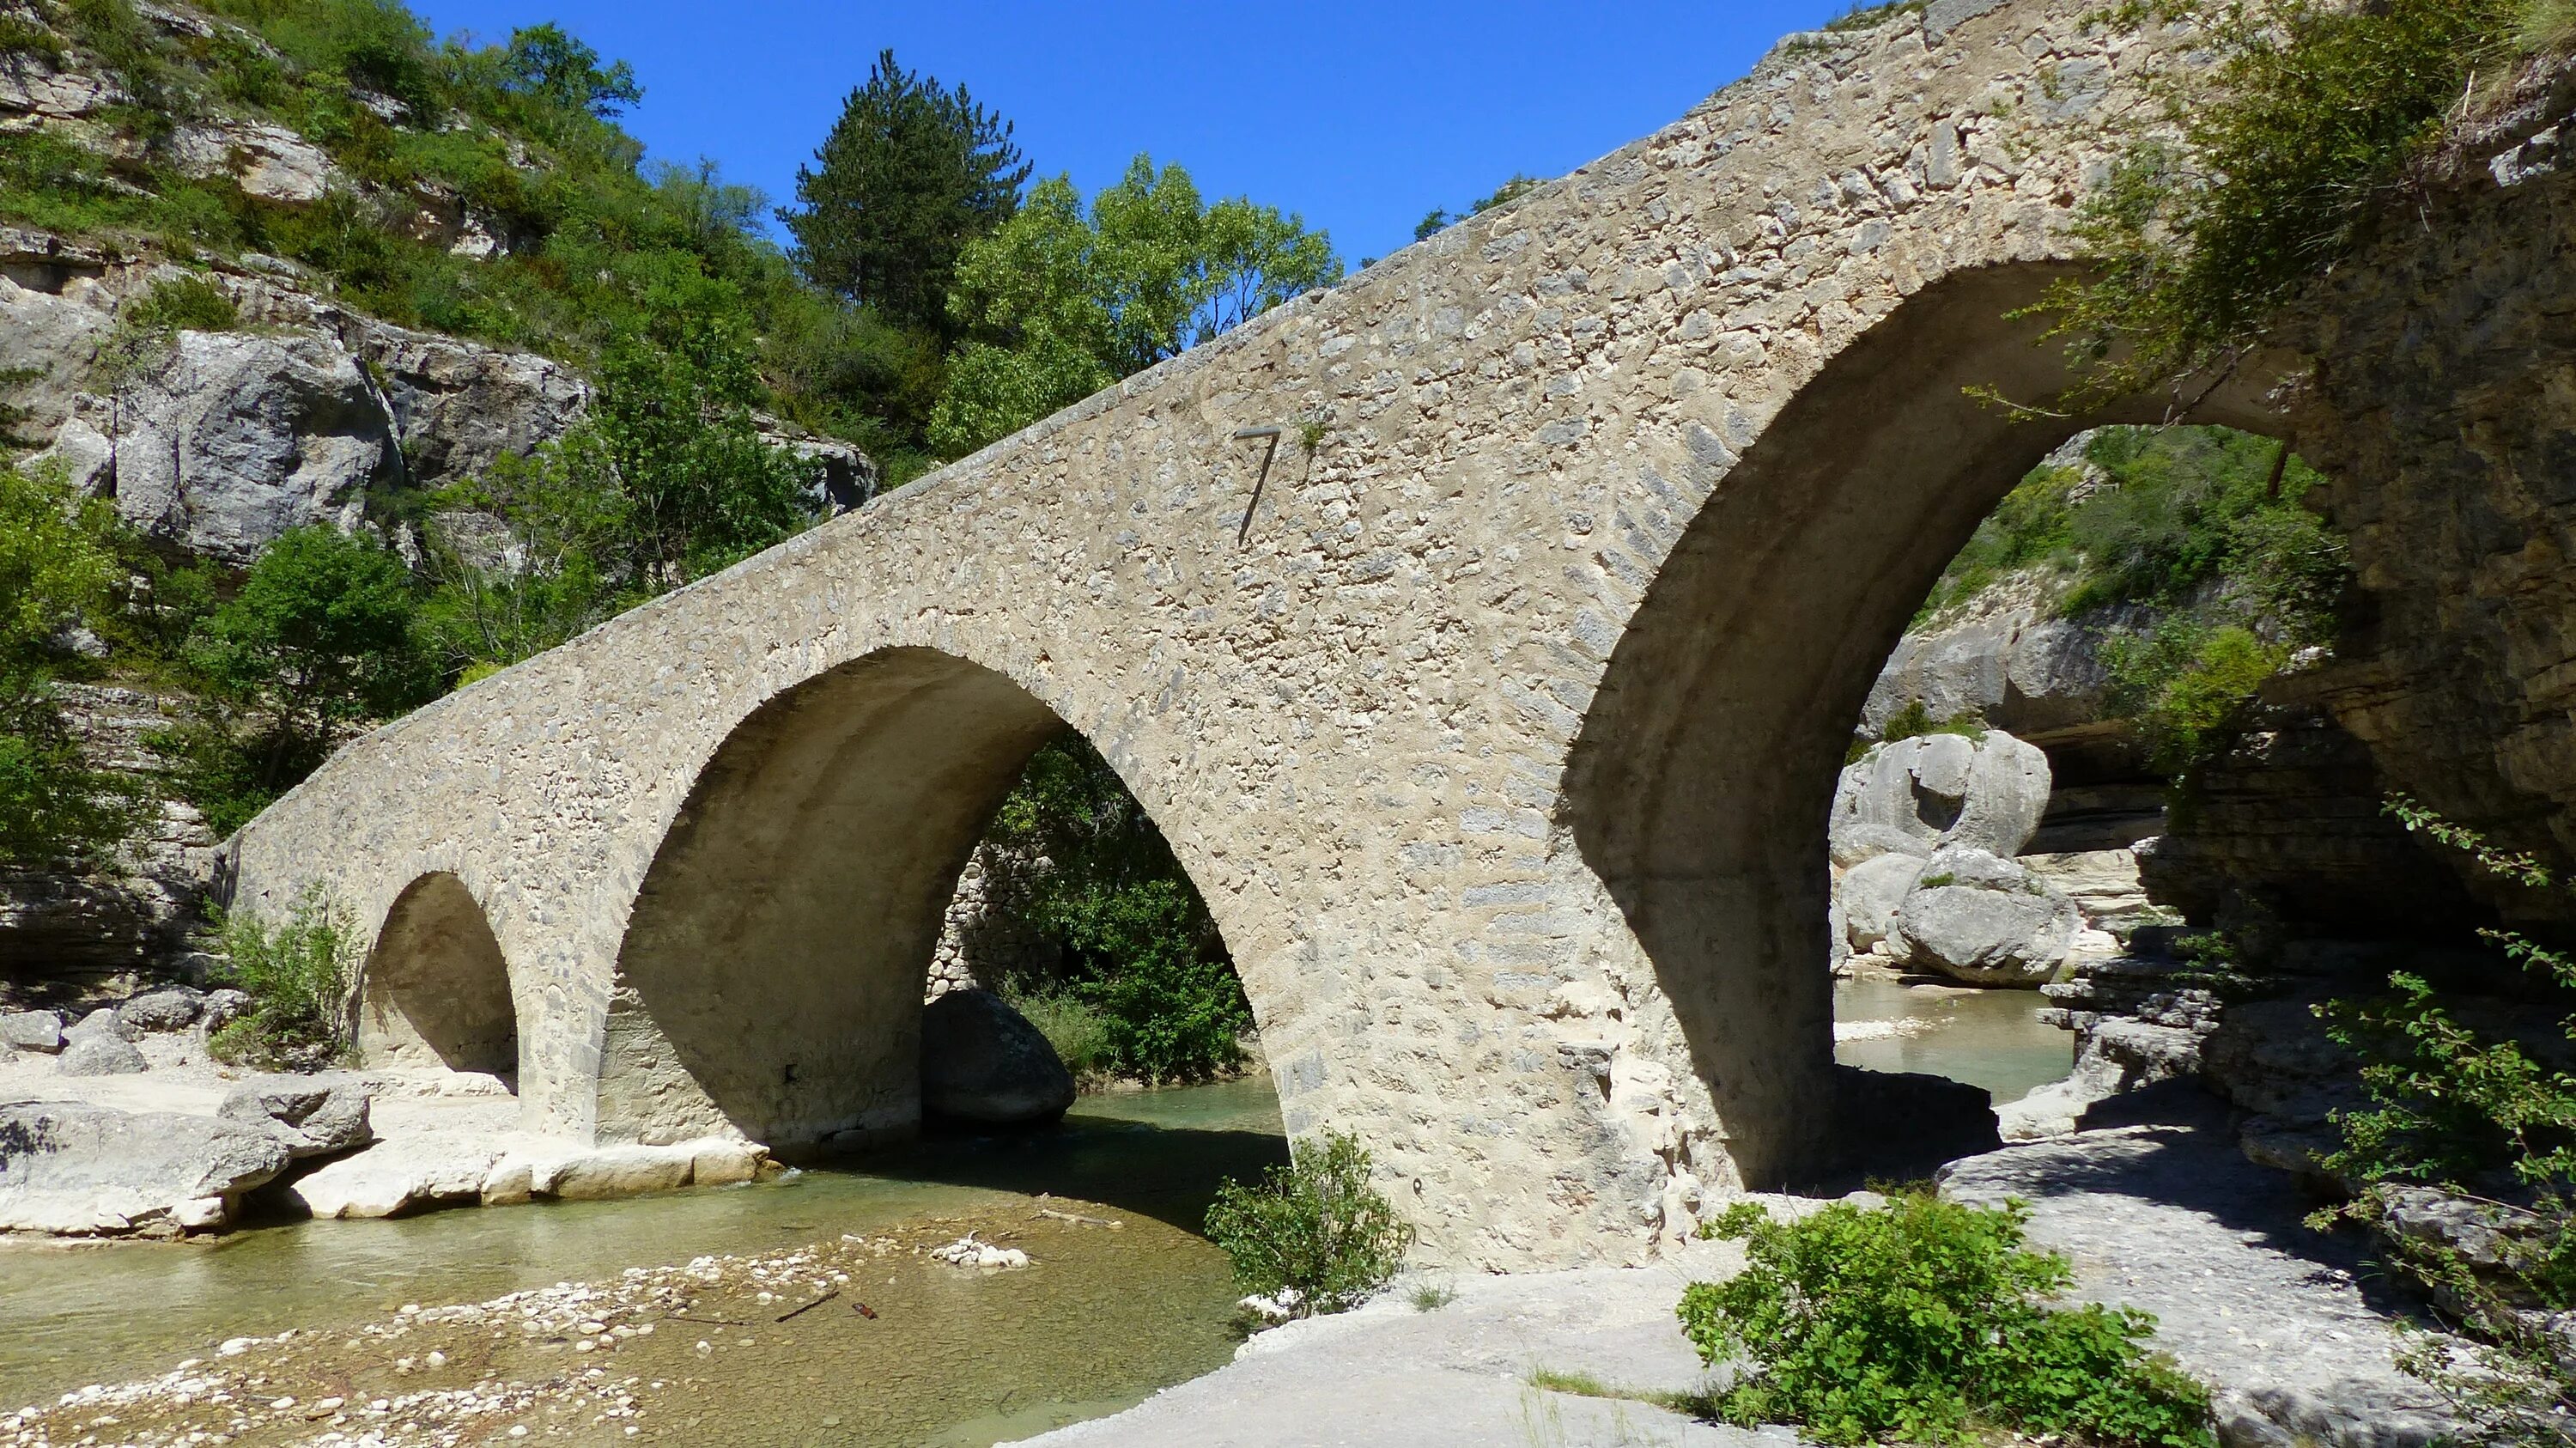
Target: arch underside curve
(1700, 785)
(436, 989)
(770, 982)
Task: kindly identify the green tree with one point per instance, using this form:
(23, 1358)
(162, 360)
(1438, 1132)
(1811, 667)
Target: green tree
(673, 437)
(1140, 948)
(1059, 304)
(908, 175)
(319, 640)
(57, 565)
(548, 575)
(544, 60)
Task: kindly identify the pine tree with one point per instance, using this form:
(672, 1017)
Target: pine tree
(909, 174)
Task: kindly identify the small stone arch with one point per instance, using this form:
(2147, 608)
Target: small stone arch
(771, 977)
(436, 988)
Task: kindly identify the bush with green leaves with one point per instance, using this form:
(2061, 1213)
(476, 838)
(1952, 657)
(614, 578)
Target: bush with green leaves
(1926, 1321)
(300, 974)
(1072, 1025)
(2485, 1118)
(1315, 1228)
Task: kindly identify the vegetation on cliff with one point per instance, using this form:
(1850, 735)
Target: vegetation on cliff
(2203, 532)
(2274, 162)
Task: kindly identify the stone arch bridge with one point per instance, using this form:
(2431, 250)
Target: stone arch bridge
(1498, 728)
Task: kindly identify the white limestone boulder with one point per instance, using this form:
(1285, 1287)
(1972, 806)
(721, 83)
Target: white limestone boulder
(1980, 918)
(81, 1170)
(100, 1053)
(31, 1031)
(313, 1115)
(1870, 893)
(1916, 795)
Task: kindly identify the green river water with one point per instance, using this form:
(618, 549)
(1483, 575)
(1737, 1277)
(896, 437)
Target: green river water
(954, 1359)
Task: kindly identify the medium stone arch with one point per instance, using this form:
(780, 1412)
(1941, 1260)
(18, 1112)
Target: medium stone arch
(436, 988)
(1701, 781)
(770, 980)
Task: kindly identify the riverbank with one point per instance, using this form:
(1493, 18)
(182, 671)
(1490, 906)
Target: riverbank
(2164, 1216)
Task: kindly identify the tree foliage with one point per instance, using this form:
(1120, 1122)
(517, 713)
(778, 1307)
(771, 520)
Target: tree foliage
(908, 175)
(57, 567)
(2273, 163)
(320, 640)
(1060, 301)
(1140, 950)
(1921, 1321)
(2203, 528)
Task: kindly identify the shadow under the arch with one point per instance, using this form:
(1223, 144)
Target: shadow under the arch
(1121, 1150)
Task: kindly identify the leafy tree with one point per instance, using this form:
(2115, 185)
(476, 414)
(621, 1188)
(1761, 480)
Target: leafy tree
(673, 438)
(545, 61)
(319, 640)
(56, 564)
(1140, 949)
(548, 574)
(909, 174)
(1059, 303)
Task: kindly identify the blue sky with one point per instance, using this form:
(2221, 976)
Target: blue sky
(1360, 116)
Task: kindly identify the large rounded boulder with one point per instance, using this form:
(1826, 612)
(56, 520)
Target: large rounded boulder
(1915, 796)
(1979, 918)
(983, 1062)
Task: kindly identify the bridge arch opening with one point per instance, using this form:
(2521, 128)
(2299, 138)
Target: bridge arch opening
(1701, 784)
(435, 991)
(772, 978)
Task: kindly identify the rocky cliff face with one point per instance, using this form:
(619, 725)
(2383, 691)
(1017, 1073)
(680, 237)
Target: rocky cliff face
(2442, 409)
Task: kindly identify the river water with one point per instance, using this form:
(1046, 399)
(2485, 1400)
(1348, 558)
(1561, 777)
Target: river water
(958, 1360)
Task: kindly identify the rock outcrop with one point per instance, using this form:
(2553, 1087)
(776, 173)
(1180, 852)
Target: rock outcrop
(313, 1115)
(984, 1063)
(92, 1171)
(2440, 410)
(1924, 833)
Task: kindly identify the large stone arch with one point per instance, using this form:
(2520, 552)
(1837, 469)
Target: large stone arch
(435, 990)
(770, 982)
(1700, 786)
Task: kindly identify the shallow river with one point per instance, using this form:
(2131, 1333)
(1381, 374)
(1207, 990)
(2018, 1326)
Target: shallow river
(1989, 1038)
(954, 1359)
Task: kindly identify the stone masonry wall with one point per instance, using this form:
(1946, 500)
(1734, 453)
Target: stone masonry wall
(1354, 726)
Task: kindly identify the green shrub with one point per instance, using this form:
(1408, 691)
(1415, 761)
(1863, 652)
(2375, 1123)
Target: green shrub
(2479, 1118)
(1079, 1033)
(299, 975)
(1316, 1228)
(184, 304)
(1921, 1322)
